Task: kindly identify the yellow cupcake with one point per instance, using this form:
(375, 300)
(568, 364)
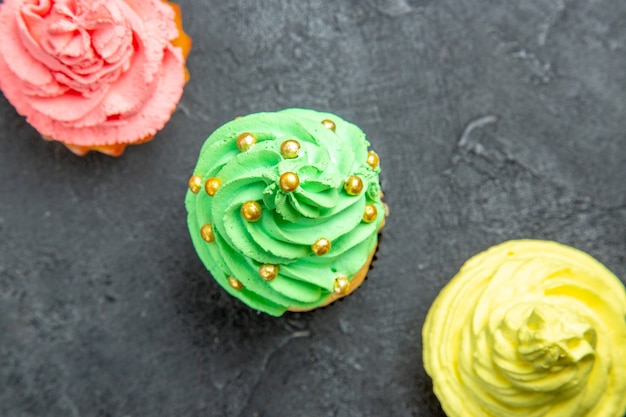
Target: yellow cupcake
(529, 328)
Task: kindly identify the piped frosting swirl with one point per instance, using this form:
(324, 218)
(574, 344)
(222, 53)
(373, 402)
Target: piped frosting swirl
(278, 192)
(94, 75)
(529, 328)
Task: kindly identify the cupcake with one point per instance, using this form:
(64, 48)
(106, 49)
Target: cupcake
(94, 75)
(284, 209)
(529, 328)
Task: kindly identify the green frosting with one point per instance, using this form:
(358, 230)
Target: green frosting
(291, 221)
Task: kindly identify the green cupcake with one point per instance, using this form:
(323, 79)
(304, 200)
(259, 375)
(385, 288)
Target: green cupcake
(284, 209)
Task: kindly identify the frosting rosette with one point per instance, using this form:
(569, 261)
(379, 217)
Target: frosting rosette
(93, 74)
(284, 208)
(529, 328)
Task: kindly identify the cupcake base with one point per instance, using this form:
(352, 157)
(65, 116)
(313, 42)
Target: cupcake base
(110, 150)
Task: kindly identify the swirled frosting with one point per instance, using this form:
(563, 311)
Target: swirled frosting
(93, 74)
(529, 328)
(330, 153)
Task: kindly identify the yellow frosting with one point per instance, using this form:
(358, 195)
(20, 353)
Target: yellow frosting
(529, 328)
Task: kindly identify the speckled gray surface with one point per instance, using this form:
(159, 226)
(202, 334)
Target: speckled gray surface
(493, 121)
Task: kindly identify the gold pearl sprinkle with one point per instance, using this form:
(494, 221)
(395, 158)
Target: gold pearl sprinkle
(370, 213)
(245, 141)
(235, 283)
(289, 149)
(353, 185)
(268, 272)
(195, 183)
(373, 160)
(329, 124)
(341, 285)
(207, 233)
(251, 211)
(289, 181)
(321, 246)
(212, 185)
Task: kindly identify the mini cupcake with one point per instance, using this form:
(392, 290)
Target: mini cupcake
(94, 75)
(529, 328)
(284, 209)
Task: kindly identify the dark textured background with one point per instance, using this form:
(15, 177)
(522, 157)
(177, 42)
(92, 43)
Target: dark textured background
(493, 121)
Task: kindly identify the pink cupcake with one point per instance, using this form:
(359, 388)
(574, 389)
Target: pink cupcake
(96, 75)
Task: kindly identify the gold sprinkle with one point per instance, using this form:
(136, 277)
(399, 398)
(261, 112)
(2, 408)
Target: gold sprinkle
(289, 149)
(341, 285)
(353, 185)
(212, 185)
(321, 246)
(268, 272)
(289, 181)
(195, 183)
(245, 141)
(235, 283)
(207, 233)
(373, 160)
(251, 211)
(329, 124)
(370, 213)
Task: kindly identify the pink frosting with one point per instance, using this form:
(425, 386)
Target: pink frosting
(91, 72)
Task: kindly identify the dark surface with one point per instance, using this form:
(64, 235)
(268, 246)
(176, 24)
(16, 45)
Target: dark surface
(493, 121)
